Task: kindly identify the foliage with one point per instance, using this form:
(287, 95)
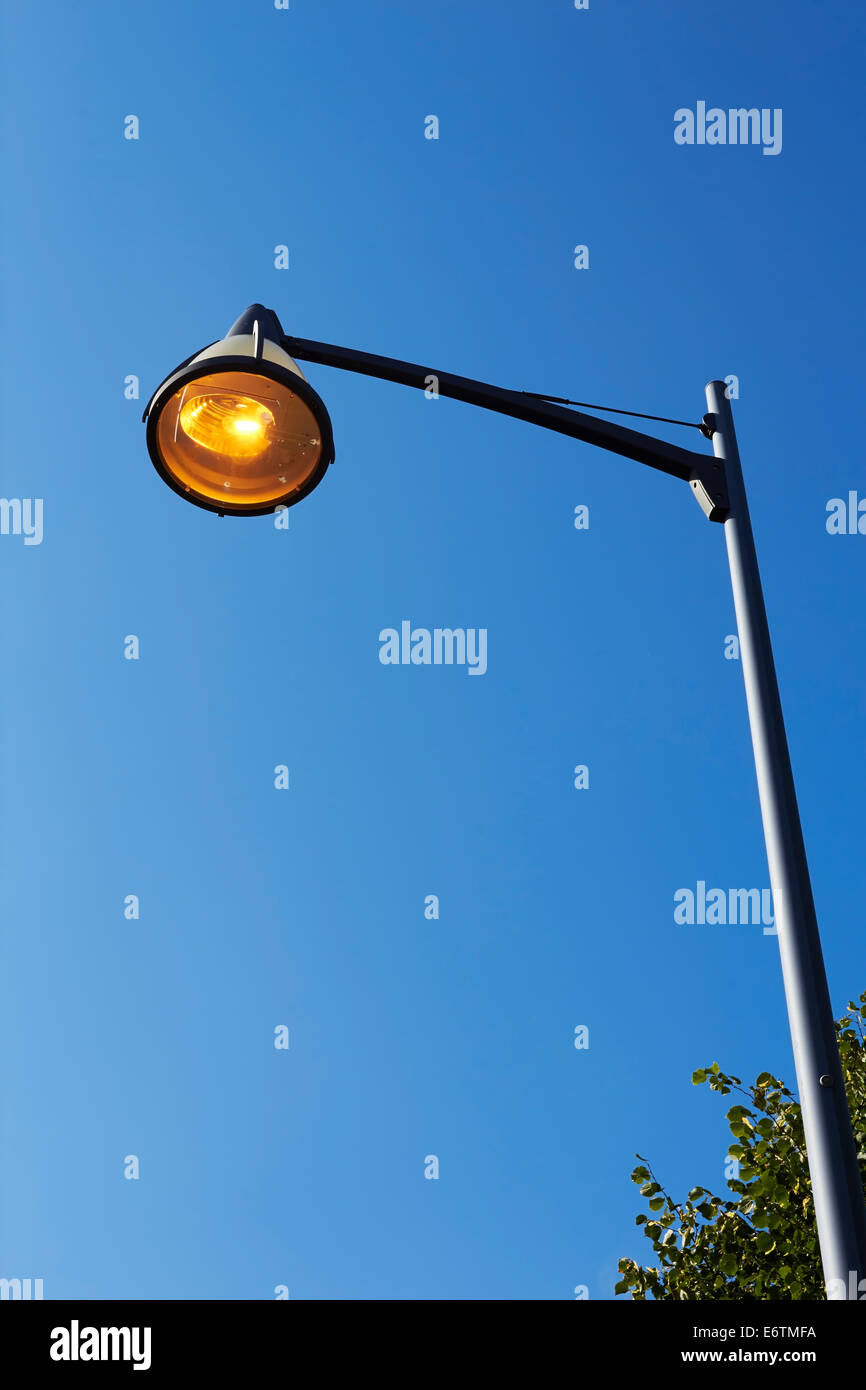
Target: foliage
(762, 1242)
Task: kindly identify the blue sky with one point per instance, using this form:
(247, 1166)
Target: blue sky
(258, 647)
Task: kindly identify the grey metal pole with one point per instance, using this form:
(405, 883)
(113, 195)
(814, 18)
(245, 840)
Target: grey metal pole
(840, 1209)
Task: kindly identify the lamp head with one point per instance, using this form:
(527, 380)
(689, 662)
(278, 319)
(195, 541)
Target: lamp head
(237, 428)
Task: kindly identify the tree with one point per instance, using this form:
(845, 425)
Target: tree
(762, 1243)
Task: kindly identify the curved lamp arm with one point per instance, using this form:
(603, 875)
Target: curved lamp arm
(705, 474)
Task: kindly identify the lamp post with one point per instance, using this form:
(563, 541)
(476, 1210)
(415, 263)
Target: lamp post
(237, 429)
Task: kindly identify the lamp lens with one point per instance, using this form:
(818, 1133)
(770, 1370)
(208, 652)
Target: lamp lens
(238, 440)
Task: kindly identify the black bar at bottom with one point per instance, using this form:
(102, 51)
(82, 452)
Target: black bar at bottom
(299, 1339)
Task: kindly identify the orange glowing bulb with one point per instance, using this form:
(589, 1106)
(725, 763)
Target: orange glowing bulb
(236, 426)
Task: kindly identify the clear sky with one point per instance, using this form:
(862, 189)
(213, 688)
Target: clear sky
(410, 1036)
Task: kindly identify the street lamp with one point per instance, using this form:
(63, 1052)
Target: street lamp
(238, 430)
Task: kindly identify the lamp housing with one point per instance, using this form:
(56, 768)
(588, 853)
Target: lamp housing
(237, 429)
